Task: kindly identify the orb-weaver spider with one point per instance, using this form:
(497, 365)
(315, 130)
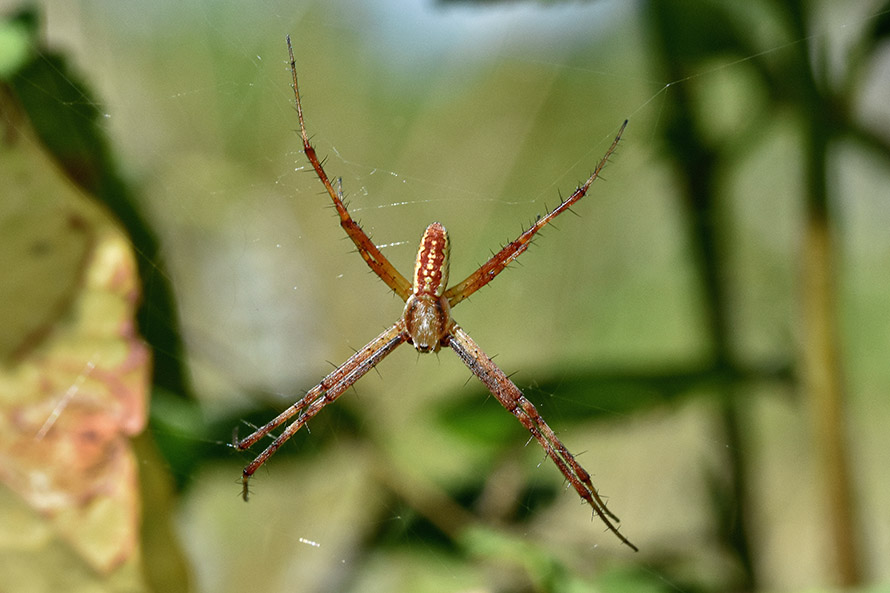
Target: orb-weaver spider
(427, 324)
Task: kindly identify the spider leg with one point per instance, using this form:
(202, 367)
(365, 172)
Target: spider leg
(369, 252)
(330, 388)
(500, 260)
(515, 402)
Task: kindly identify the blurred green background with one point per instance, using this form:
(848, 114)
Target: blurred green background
(710, 334)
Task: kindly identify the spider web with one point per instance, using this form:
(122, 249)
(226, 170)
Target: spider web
(478, 118)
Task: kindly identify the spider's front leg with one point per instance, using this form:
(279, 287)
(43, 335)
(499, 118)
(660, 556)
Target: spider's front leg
(515, 402)
(330, 388)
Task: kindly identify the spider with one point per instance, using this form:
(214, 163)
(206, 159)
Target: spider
(427, 324)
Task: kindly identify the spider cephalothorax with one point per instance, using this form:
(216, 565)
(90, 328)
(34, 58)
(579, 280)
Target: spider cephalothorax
(426, 322)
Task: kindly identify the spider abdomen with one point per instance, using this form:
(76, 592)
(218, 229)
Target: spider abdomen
(433, 255)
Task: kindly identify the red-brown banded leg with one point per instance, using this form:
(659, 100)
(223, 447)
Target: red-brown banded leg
(514, 249)
(515, 402)
(330, 388)
(368, 250)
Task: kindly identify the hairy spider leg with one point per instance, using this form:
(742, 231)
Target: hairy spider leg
(510, 396)
(326, 392)
(500, 260)
(368, 250)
